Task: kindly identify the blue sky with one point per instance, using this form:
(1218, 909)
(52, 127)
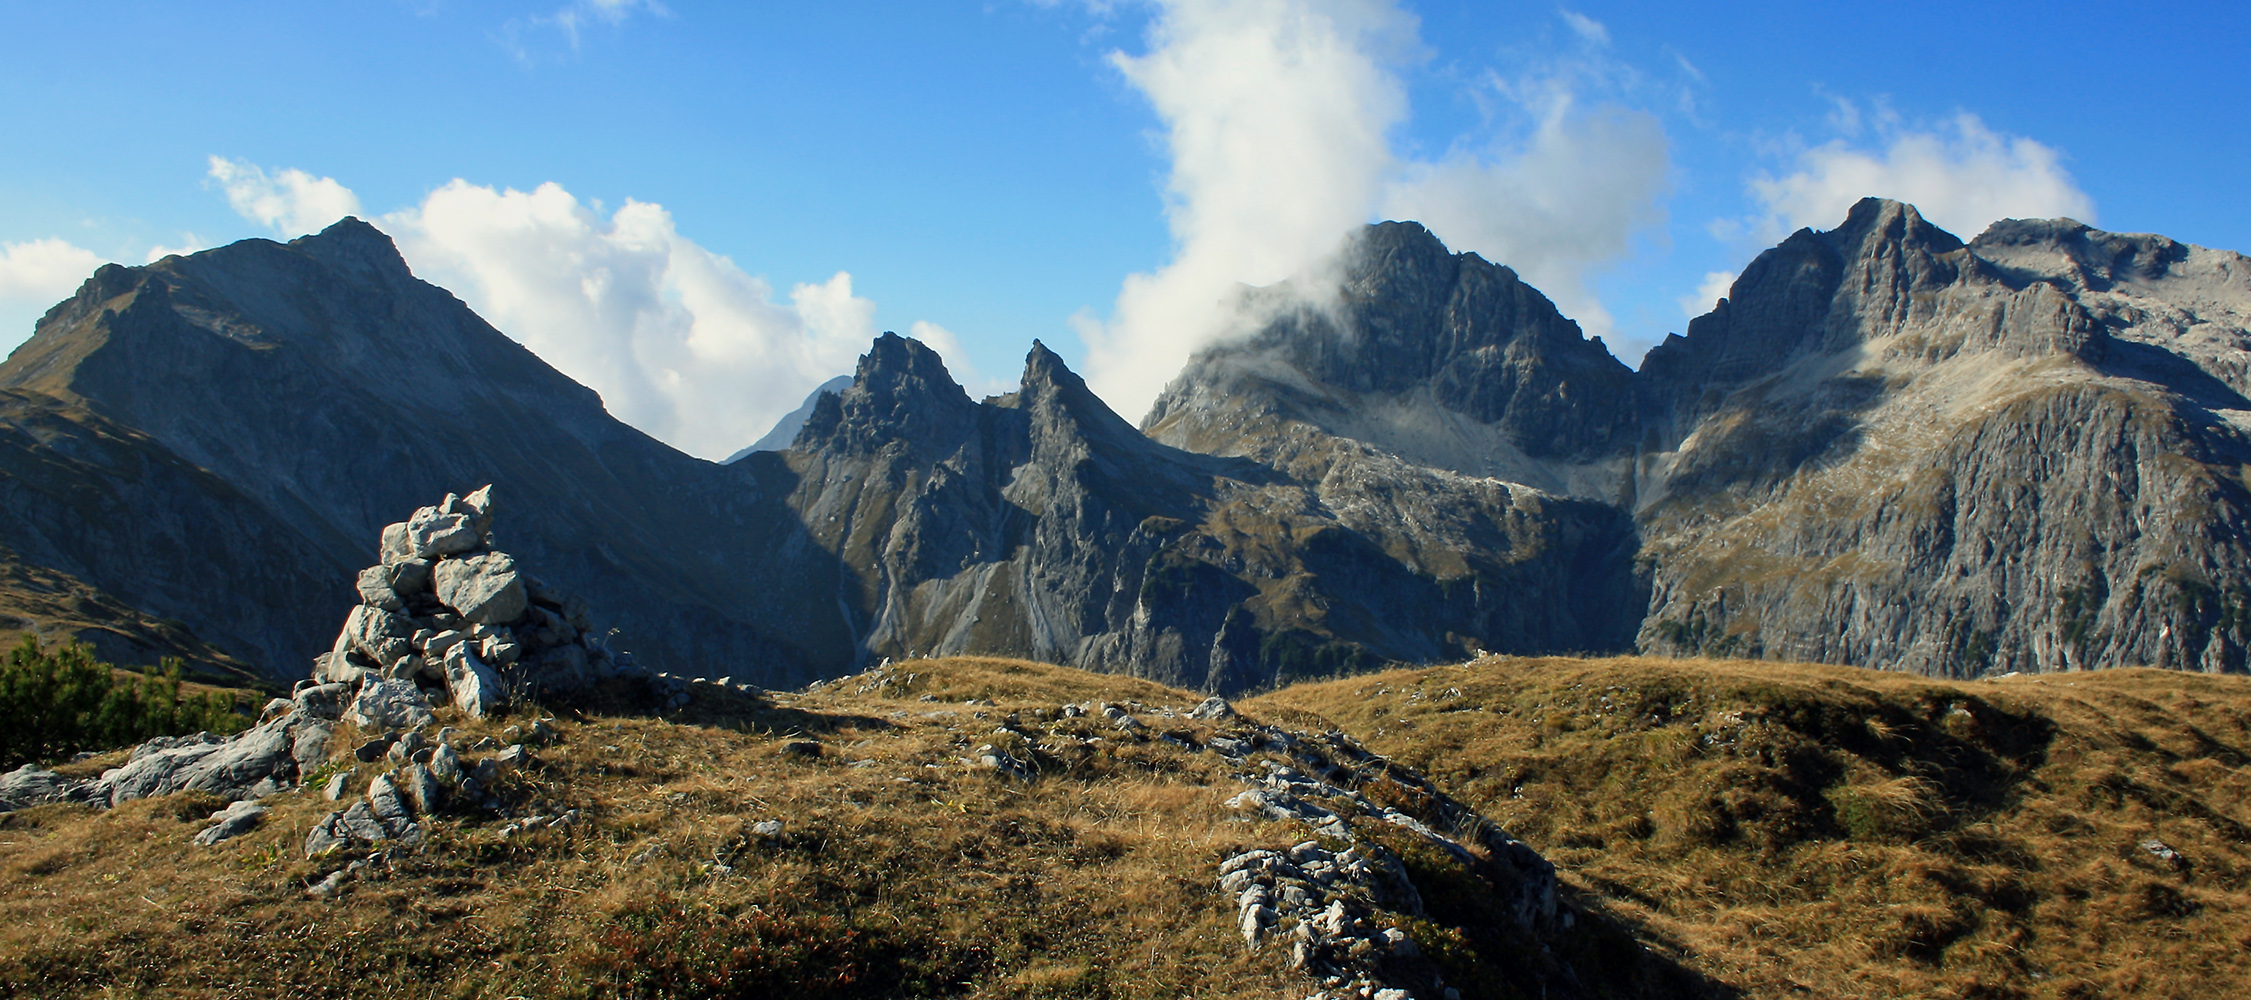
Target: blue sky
(1093, 175)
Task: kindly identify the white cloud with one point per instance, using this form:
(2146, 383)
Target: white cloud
(572, 19)
(44, 271)
(189, 243)
(1961, 175)
(1277, 115)
(1587, 28)
(33, 277)
(1707, 294)
(679, 341)
(291, 203)
(1556, 207)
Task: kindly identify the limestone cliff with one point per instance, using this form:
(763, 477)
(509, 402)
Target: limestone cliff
(1886, 447)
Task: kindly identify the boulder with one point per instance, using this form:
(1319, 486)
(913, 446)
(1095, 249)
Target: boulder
(479, 507)
(29, 786)
(374, 586)
(1214, 707)
(322, 701)
(396, 546)
(485, 588)
(433, 532)
(254, 763)
(476, 688)
(391, 704)
(421, 788)
(445, 765)
(410, 577)
(338, 667)
(266, 751)
(378, 634)
(344, 827)
(389, 805)
(310, 746)
(440, 643)
(158, 773)
(236, 819)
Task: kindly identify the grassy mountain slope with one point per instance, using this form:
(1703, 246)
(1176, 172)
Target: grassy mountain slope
(1801, 830)
(902, 868)
(1719, 829)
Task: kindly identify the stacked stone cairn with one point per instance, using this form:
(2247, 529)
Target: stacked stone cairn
(446, 616)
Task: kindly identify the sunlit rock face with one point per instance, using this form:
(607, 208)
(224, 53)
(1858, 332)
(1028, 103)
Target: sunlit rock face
(1886, 447)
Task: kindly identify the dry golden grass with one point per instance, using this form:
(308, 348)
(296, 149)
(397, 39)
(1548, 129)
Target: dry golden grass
(1802, 830)
(900, 870)
(1780, 829)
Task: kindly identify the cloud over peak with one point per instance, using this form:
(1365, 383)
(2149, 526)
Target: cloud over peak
(288, 202)
(680, 342)
(1278, 118)
(1962, 176)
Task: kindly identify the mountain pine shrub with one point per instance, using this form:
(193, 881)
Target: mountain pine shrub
(56, 703)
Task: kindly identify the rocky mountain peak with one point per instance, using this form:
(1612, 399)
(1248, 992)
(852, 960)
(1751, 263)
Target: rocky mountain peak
(1054, 394)
(900, 392)
(353, 246)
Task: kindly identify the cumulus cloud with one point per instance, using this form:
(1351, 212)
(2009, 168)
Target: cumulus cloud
(33, 277)
(290, 202)
(679, 341)
(1277, 115)
(44, 271)
(1555, 207)
(1961, 175)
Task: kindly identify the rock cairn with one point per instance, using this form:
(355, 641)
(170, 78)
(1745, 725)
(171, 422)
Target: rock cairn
(447, 617)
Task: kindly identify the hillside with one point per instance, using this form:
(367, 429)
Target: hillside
(969, 827)
(1799, 830)
(938, 828)
(138, 462)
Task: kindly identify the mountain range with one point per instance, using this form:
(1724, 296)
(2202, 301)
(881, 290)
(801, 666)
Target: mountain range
(1886, 447)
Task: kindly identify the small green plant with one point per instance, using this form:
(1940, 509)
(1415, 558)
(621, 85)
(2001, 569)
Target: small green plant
(62, 701)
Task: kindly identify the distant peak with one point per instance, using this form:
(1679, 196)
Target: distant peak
(353, 244)
(1892, 221)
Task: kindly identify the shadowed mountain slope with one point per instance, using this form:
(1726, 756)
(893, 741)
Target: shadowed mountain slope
(214, 438)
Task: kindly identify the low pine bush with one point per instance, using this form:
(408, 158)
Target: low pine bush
(56, 703)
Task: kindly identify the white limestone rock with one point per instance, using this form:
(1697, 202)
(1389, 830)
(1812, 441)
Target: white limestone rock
(484, 588)
(236, 819)
(433, 531)
(374, 586)
(391, 704)
(476, 689)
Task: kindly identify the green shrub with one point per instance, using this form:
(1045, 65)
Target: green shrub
(53, 704)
